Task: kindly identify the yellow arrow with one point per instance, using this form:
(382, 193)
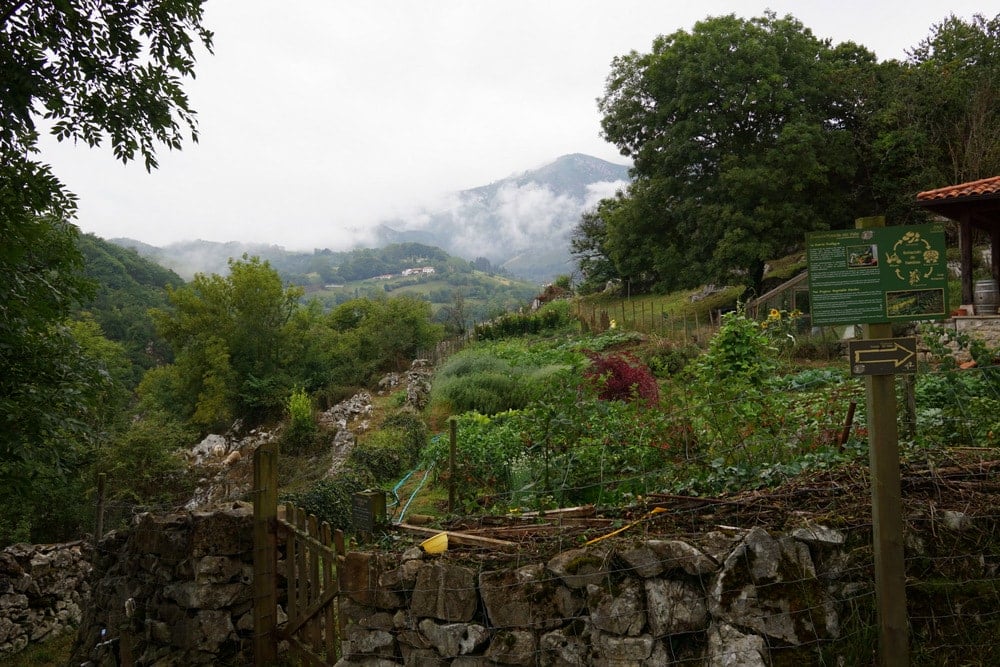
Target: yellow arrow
(882, 356)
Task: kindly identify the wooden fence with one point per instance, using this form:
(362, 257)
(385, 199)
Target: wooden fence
(313, 554)
(649, 318)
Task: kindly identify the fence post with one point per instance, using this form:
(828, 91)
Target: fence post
(99, 524)
(452, 445)
(265, 554)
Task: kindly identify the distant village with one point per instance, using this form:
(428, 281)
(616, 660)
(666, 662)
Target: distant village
(419, 271)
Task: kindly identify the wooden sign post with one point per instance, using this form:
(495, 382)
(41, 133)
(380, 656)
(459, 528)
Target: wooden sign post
(876, 275)
(887, 512)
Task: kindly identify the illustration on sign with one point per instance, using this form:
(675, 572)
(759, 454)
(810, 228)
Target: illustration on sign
(878, 275)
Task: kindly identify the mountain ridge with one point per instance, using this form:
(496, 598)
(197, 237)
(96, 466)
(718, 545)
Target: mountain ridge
(521, 223)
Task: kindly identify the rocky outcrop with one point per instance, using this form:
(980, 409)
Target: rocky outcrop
(416, 381)
(733, 599)
(43, 589)
(224, 466)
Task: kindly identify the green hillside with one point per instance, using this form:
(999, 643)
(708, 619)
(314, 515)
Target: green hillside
(128, 285)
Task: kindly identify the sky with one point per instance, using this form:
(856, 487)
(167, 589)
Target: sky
(318, 119)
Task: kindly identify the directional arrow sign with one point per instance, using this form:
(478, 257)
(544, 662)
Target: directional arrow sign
(883, 356)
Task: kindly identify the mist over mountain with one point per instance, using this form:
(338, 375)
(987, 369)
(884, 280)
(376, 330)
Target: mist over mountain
(521, 223)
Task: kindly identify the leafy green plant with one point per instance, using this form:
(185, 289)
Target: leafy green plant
(474, 380)
(301, 430)
(330, 499)
(385, 453)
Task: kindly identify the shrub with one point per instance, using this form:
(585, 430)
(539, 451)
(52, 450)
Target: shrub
(413, 430)
(330, 499)
(384, 453)
(475, 381)
(666, 358)
(301, 430)
(621, 377)
(554, 315)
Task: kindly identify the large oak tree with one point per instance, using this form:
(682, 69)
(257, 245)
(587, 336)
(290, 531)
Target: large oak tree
(740, 132)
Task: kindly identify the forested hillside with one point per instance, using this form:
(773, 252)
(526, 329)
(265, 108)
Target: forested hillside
(128, 285)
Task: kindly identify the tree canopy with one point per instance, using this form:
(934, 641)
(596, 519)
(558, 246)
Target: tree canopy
(738, 132)
(93, 72)
(748, 133)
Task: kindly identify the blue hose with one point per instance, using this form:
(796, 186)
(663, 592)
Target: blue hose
(415, 491)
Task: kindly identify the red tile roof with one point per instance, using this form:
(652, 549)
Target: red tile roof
(980, 188)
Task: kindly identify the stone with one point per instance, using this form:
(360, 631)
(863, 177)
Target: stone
(360, 581)
(643, 561)
(364, 641)
(579, 568)
(378, 621)
(819, 536)
(218, 570)
(559, 648)
(728, 647)
(770, 586)
(679, 555)
(521, 598)
(619, 610)
(222, 532)
(454, 639)
(402, 578)
(422, 657)
(192, 595)
(615, 649)
(956, 521)
(674, 607)
(444, 591)
(513, 647)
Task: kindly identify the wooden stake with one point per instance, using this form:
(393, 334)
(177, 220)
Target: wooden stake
(848, 422)
(265, 554)
(452, 470)
(99, 526)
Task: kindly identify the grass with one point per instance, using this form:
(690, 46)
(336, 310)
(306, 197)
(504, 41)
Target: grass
(52, 653)
(673, 315)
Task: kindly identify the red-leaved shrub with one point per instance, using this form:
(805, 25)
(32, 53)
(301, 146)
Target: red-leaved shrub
(621, 377)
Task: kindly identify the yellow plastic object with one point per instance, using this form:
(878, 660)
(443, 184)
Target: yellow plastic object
(436, 544)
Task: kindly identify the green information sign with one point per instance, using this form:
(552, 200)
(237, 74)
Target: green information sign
(883, 274)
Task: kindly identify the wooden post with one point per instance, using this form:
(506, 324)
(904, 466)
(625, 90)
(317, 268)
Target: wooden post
(845, 433)
(329, 566)
(99, 524)
(965, 250)
(265, 554)
(887, 513)
(338, 543)
(887, 502)
(452, 469)
(910, 396)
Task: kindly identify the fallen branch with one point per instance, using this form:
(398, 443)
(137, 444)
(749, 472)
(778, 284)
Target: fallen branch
(457, 537)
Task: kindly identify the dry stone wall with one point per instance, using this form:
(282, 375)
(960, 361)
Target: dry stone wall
(736, 598)
(42, 591)
(173, 589)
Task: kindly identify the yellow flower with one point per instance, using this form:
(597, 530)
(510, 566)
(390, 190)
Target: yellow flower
(775, 314)
(613, 324)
